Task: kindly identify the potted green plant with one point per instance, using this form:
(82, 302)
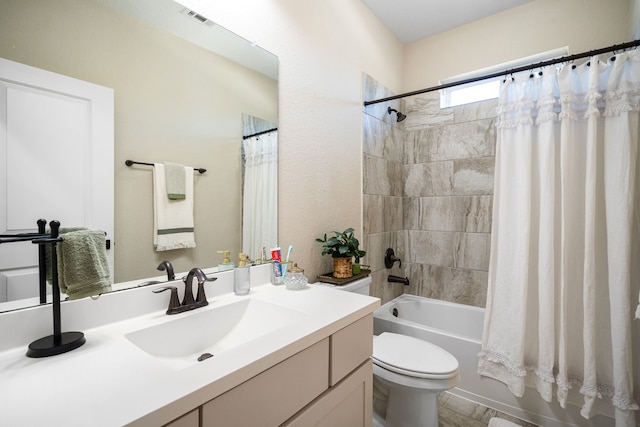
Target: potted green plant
(342, 247)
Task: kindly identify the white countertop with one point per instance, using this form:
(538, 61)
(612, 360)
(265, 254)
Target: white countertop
(110, 382)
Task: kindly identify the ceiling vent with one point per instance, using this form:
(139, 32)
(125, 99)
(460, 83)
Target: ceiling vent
(202, 19)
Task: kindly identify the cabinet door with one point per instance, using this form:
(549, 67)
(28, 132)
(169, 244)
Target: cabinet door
(270, 398)
(191, 419)
(351, 346)
(348, 404)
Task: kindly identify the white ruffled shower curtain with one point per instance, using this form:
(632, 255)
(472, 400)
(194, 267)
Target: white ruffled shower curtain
(260, 193)
(565, 244)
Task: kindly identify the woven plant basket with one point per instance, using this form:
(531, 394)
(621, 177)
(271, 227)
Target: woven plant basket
(342, 267)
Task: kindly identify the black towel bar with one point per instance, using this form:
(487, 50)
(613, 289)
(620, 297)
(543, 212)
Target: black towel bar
(131, 162)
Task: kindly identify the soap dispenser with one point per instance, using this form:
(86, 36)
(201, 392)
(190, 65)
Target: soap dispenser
(226, 263)
(242, 278)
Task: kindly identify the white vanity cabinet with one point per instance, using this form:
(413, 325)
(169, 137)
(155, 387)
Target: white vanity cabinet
(327, 384)
(313, 371)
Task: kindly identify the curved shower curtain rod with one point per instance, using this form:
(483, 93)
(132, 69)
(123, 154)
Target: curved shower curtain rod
(529, 67)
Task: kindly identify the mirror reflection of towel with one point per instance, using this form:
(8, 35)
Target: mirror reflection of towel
(172, 219)
(175, 178)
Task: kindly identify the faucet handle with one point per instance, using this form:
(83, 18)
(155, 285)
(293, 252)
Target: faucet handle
(174, 302)
(390, 258)
(201, 298)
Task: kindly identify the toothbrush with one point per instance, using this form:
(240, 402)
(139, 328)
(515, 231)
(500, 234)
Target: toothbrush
(284, 270)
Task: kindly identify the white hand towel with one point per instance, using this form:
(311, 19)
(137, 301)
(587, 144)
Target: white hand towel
(172, 219)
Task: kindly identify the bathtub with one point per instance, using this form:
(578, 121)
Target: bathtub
(458, 329)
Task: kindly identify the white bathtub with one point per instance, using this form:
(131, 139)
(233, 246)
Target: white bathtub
(458, 329)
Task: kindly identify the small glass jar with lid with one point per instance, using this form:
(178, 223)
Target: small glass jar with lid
(295, 278)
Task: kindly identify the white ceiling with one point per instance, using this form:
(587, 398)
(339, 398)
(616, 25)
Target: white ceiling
(411, 20)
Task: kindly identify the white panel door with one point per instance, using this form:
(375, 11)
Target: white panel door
(56, 162)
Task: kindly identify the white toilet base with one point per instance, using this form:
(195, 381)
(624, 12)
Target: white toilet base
(412, 408)
(410, 402)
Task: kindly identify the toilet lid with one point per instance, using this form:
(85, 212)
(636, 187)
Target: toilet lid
(412, 356)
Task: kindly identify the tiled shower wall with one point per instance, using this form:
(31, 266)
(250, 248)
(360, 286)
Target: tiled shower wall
(428, 186)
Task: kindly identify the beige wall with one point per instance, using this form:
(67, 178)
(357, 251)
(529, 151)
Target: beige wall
(173, 102)
(534, 27)
(323, 47)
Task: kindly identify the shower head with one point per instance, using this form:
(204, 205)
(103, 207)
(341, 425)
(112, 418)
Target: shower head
(400, 116)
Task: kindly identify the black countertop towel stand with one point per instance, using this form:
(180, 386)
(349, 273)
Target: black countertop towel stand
(60, 342)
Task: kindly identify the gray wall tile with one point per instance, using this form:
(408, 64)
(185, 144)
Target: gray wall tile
(473, 176)
(423, 111)
(457, 141)
(476, 111)
(431, 247)
(428, 187)
(429, 179)
(373, 136)
(470, 251)
(471, 213)
(393, 213)
(382, 177)
(373, 213)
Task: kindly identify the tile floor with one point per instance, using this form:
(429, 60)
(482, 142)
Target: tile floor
(454, 411)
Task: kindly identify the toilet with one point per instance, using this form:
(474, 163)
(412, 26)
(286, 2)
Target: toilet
(408, 372)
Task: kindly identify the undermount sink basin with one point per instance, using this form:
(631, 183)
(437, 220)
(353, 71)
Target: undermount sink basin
(184, 338)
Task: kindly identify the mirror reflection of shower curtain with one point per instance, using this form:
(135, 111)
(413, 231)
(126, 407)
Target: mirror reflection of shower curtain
(260, 193)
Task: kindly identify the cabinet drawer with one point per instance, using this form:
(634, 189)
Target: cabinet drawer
(270, 398)
(350, 347)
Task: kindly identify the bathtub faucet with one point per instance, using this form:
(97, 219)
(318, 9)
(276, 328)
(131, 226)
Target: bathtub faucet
(396, 279)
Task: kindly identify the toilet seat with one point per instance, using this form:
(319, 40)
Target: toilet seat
(413, 357)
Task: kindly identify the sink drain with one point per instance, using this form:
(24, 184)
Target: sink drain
(204, 356)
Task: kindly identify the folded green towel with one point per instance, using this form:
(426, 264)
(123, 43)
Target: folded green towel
(174, 175)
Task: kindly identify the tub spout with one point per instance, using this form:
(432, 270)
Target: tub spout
(396, 279)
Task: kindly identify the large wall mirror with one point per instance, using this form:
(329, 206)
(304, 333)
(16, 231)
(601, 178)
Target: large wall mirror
(185, 91)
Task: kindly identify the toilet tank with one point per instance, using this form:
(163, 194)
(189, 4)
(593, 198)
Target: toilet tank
(360, 286)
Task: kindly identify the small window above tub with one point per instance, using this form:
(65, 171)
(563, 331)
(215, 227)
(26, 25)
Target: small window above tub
(488, 88)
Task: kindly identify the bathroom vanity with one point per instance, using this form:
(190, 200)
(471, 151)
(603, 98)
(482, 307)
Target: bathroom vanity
(280, 357)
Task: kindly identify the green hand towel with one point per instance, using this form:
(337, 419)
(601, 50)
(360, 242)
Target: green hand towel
(47, 249)
(83, 269)
(174, 176)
